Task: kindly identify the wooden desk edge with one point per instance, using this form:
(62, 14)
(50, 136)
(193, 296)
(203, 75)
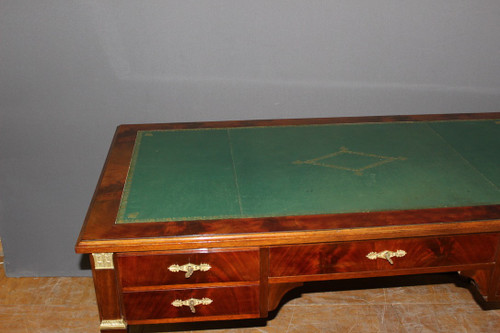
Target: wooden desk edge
(311, 121)
(267, 239)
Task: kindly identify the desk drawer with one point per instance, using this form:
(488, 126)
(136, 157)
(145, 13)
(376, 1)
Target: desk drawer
(242, 301)
(161, 268)
(352, 256)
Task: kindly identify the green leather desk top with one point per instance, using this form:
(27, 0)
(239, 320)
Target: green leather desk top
(207, 174)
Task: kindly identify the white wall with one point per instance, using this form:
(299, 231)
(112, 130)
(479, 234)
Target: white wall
(71, 70)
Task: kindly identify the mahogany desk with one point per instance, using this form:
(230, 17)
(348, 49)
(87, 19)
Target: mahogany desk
(218, 220)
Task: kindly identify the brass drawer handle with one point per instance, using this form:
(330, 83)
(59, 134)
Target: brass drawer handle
(386, 255)
(192, 302)
(189, 268)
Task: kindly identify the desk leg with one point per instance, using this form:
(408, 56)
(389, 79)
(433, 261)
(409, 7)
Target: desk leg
(106, 289)
(487, 280)
(494, 283)
(481, 278)
(278, 290)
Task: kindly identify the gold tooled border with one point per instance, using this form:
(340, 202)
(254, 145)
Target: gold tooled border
(120, 218)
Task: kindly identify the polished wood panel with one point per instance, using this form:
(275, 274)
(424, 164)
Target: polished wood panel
(157, 305)
(351, 257)
(226, 266)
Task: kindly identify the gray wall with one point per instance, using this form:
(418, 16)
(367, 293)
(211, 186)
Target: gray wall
(71, 70)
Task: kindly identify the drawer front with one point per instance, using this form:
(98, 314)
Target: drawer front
(223, 301)
(161, 268)
(352, 256)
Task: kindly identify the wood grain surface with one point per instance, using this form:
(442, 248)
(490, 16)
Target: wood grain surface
(226, 266)
(352, 256)
(230, 302)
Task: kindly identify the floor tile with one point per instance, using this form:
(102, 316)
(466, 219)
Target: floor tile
(462, 318)
(49, 319)
(345, 318)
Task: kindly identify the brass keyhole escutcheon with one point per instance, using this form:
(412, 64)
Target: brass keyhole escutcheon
(192, 302)
(189, 271)
(189, 268)
(191, 305)
(387, 255)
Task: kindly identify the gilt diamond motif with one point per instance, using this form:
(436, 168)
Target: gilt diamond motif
(354, 161)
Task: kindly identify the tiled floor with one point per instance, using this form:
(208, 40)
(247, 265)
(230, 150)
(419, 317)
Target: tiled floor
(435, 303)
